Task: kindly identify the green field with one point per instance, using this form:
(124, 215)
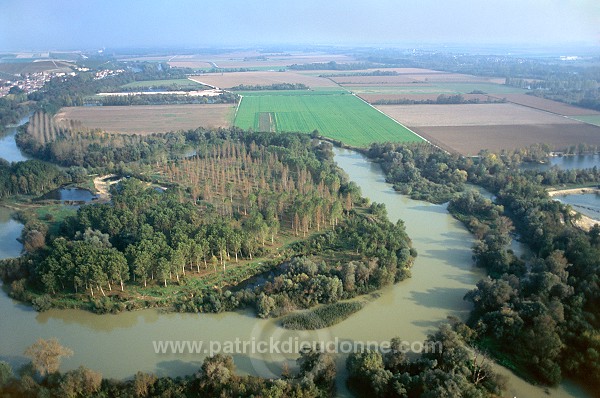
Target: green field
(591, 119)
(341, 117)
(180, 83)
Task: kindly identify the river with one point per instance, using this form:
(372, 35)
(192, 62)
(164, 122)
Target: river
(119, 345)
(8, 147)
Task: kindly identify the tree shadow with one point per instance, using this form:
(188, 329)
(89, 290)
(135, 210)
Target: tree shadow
(439, 297)
(458, 258)
(177, 367)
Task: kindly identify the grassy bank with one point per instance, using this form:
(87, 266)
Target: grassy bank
(321, 317)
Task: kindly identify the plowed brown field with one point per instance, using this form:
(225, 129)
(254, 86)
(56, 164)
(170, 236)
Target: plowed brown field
(469, 140)
(468, 129)
(150, 119)
(548, 105)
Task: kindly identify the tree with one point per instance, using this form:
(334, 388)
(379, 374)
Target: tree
(81, 382)
(46, 355)
(142, 383)
(6, 373)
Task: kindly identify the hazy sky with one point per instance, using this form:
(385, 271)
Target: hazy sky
(77, 24)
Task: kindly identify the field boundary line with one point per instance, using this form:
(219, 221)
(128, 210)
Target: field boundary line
(206, 84)
(237, 108)
(386, 115)
(548, 111)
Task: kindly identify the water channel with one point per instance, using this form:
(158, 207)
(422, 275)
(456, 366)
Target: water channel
(8, 147)
(120, 345)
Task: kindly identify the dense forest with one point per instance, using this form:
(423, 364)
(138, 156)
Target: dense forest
(216, 377)
(34, 177)
(167, 99)
(12, 110)
(537, 315)
(445, 368)
(70, 144)
(229, 203)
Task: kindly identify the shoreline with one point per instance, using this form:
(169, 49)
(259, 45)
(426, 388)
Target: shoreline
(573, 191)
(585, 223)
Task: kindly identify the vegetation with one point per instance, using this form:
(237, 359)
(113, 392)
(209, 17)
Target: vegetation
(167, 99)
(166, 85)
(446, 368)
(276, 86)
(321, 317)
(34, 177)
(74, 90)
(12, 110)
(216, 378)
(242, 196)
(422, 171)
(538, 314)
(442, 99)
(344, 118)
(371, 73)
(333, 66)
(70, 144)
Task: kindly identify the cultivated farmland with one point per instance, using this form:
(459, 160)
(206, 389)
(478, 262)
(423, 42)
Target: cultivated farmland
(228, 80)
(150, 119)
(341, 117)
(591, 119)
(470, 115)
(470, 128)
(469, 140)
(372, 98)
(254, 59)
(548, 105)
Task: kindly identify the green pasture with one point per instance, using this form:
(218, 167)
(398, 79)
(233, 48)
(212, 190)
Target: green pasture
(342, 117)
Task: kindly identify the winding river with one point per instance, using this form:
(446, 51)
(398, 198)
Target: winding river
(8, 147)
(119, 345)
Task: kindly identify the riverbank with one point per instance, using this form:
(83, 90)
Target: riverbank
(442, 274)
(573, 191)
(581, 221)
(102, 186)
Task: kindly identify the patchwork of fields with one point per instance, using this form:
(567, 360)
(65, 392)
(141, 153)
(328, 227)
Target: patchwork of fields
(469, 128)
(341, 117)
(337, 106)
